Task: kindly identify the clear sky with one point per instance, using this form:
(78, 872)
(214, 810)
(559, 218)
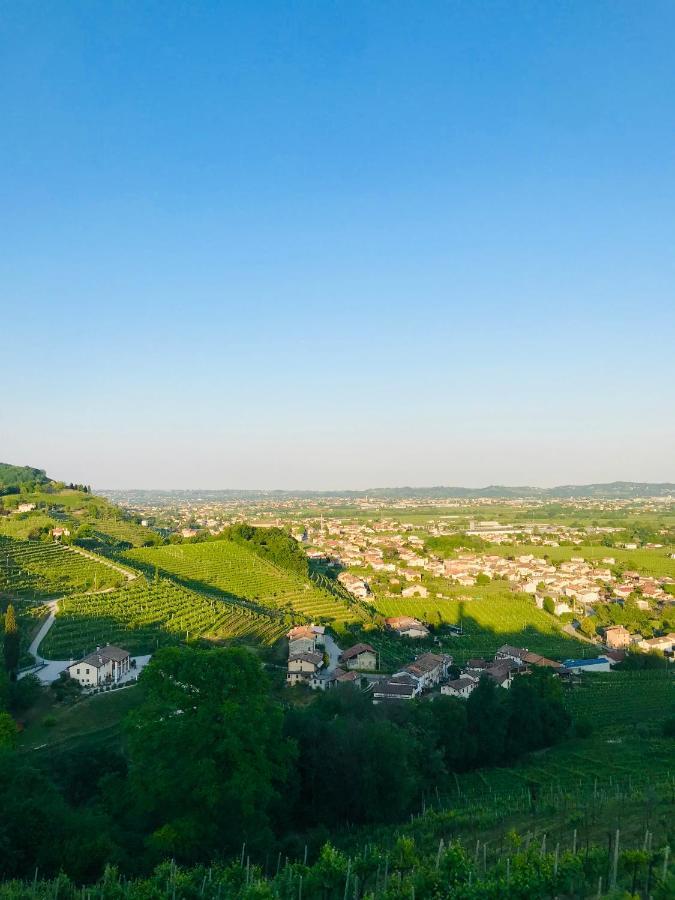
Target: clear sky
(338, 244)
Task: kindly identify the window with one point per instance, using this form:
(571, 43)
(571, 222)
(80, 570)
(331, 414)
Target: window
(78, 671)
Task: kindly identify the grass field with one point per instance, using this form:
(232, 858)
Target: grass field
(227, 569)
(141, 617)
(490, 616)
(35, 570)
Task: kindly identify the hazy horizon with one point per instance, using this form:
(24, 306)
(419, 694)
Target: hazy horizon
(305, 246)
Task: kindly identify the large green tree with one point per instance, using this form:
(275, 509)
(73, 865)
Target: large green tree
(207, 754)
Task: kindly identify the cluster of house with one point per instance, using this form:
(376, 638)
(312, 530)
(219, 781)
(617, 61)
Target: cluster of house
(106, 665)
(424, 673)
(308, 662)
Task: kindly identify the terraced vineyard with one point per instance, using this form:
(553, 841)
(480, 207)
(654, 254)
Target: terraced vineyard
(225, 568)
(490, 616)
(141, 617)
(33, 569)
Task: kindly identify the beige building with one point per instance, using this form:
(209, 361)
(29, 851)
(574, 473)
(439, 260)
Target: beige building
(360, 656)
(303, 667)
(617, 637)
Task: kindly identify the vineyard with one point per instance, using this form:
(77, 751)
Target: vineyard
(621, 698)
(116, 531)
(33, 569)
(142, 616)
(227, 569)
(489, 616)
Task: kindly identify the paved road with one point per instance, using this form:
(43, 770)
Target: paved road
(333, 652)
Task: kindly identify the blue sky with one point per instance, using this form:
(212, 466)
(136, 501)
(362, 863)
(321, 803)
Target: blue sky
(335, 244)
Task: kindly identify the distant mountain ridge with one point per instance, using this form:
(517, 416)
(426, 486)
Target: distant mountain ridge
(616, 490)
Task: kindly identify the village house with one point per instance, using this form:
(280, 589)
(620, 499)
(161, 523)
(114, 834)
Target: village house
(502, 672)
(356, 586)
(428, 669)
(617, 637)
(460, 687)
(303, 667)
(664, 644)
(301, 639)
(400, 687)
(406, 626)
(104, 666)
(415, 590)
(360, 656)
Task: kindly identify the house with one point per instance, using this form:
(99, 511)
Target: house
(460, 687)
(342, 677)
(617, 637)
(303, 667)
(501, 672)
(400, 687)
(428, 669)
(360, 656)
(301, 639)
(356, 586)
(476, 666)
(596, 664)
(415, 590)
(25, 507)
(406, 626)
(664, 644)
(60, 532)
(509, 652)
(103, 666)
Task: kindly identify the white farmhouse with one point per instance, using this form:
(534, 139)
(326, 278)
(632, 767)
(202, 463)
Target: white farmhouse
(104, 665)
